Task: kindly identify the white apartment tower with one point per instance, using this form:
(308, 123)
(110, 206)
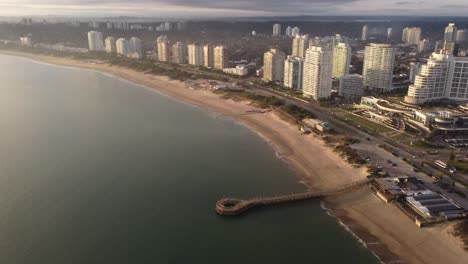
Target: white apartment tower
(288, 31)
(293, 73)
(95, 41)
(300, 45)
(444, 76)
(424, 45)
(377, 71)
(122, 47)
(135, 48)
(273, 65)
(163, 46)
(461, 36)
(411, 35)
(341, 60)
(208, 56)
(351, 86)
(365, 32)
(276, 29)
(221, 58)
(110, 45)
(195, 54)
(179, 53)
(450, 32)
(318, 72)
(296, 31)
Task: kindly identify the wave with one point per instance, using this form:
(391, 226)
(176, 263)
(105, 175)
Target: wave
(346, 227)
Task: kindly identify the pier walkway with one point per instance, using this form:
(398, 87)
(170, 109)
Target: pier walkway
(232, 206)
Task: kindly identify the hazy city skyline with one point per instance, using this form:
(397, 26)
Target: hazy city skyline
(194, 8)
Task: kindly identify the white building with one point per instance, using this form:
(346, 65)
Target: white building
(123, 47)
(377, 71)
(293, 68)
(179, 53)
(288, 31)
(163, 46)
(208, 56)
(110, 45)
(195, 54)
(461, 36)
(341, 60)
(273, 65)
(240, 70)
(414, 70)
(365, 32)
(389, 33)
(424, 45)
(318, 72)
(444, 76)
(95, 41)
(221, 57)
(411, 35)
(351, 86)
(296, 31)
(276, 30)
(26, 41)
(450, 32)
(135, 48)
(300, 46)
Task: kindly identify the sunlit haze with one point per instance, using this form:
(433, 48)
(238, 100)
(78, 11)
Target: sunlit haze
(194, 8)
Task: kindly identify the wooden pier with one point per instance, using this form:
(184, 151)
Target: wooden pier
(233, 207)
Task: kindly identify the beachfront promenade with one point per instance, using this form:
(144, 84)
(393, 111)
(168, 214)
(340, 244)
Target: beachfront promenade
(233, 207)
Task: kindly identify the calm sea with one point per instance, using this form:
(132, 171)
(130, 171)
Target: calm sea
(94, 169)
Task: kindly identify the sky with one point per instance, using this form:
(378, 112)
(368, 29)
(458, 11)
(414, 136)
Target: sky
(231, 8)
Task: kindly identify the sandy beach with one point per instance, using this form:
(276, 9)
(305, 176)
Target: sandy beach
(386, 231)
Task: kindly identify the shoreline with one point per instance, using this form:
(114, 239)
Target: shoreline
(316, 165)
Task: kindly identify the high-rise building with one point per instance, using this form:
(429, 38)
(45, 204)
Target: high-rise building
(110, 45)
(377, 71)
(26, 41)
(424, 45)
(389, 33)
(273, 65)
(414, 70)
(135, 48)
(179, 53)
(208, 56)
(195, 54)
(300, 45)
(461, 36)
(163, 46)
(365, 32)
(288, 31)
(295, 31)
(450, 32)
(351, 86)
(341, 60)
(411, 35)
(122, 47)
(109, 25)
(276, 29)
(293, 73)
(318, 72)
(95, 41)
(444, 76)
(221, 57)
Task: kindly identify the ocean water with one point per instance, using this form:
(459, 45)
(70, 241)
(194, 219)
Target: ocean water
(94, 169)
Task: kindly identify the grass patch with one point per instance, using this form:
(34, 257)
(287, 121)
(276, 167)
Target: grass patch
(367, 123)
(460, 165)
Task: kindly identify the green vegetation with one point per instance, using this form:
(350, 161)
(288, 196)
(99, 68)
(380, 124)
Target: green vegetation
(420, 144)
(461, 231)
(411, 130)
(350, 154)
(367, 123)
(460, 165)
(297, 112)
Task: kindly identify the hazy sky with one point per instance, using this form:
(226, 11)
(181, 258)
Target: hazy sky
(218, 8)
